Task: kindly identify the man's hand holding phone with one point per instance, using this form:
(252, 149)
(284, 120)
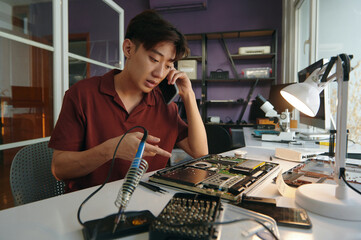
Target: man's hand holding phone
(176, 82)
(169, 91)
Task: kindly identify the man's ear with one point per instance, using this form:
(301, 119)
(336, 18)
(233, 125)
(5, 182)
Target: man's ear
(128, 47)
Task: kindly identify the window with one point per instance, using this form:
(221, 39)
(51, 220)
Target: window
(33, 53)
(318, 29)
(38, 61)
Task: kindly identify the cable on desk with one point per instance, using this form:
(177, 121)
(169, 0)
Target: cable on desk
(108, 176)
(343, 176)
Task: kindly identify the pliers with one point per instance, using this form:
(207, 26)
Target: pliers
(153, 187)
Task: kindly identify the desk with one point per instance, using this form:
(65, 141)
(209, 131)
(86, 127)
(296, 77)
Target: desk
(253, 142)
(55, 218)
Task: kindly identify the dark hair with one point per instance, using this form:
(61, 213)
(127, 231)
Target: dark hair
(149, 28)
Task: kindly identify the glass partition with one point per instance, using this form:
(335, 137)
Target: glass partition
(25, 91)
(79, 70)
(94, 31)
(30, 96)
(32, 20)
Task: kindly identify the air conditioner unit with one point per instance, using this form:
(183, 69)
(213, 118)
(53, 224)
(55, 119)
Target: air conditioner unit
(179, 5)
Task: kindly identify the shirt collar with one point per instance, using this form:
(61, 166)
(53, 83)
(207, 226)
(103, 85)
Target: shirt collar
(107, 87)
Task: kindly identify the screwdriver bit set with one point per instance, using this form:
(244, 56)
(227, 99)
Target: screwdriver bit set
(188, 216)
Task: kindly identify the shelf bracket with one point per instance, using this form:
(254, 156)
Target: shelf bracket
(245, 104)
(229, 57)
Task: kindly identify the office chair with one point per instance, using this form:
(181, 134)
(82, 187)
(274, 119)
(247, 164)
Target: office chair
(219, 139)
(31, 178)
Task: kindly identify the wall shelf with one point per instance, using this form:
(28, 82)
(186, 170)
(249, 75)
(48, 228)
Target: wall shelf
(238, 101)
(253, 56)
(197, 58)
(252, 36)
(238, 80)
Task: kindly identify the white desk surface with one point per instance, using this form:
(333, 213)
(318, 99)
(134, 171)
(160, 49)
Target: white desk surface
(56, 218)
(251, 141)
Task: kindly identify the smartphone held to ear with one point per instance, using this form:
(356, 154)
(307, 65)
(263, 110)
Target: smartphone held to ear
(169, 91)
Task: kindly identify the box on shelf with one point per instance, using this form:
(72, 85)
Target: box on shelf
(189, 67)
(219, 74)
(265, 121)
(214, 119)
(254, 50)
(264, 72)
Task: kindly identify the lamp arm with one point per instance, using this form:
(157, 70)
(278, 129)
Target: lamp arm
(319, 77)
(323, 73)
(346, 68)
(330, 79)
(328, 68)
(343, 63)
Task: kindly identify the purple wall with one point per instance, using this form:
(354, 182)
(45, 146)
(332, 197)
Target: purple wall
(223, 16)
(220, 16)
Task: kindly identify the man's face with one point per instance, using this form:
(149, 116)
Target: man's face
(149, 67)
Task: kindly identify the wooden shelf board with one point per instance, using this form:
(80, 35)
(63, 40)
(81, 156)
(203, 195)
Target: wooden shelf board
(253, 56)
(234, 34)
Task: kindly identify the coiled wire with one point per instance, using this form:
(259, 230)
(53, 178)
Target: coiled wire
(109, 173)
(131, 181)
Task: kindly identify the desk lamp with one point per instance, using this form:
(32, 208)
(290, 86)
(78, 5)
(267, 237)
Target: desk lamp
(336, 201)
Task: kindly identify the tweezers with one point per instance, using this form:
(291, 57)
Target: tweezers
(153, 187)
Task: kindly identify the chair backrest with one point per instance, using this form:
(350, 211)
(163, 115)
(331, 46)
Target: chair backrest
(219, 139)
(31, 178)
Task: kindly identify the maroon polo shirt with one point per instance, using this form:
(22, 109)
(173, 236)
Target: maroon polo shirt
(92, 113)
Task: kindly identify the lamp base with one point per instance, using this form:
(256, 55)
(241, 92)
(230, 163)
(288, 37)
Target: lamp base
(320, 199)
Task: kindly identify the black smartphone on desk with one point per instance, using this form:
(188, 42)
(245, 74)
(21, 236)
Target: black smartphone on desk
(169, 91)
(288, 217)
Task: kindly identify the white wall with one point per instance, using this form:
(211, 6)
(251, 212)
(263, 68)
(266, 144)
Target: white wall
(340, 32)
(339, 28)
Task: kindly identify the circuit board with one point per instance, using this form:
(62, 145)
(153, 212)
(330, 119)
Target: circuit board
(320, 171)
(226, 177)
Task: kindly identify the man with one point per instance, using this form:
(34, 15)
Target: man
(96, 112)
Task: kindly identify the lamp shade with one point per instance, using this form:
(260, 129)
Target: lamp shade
(305, 97)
